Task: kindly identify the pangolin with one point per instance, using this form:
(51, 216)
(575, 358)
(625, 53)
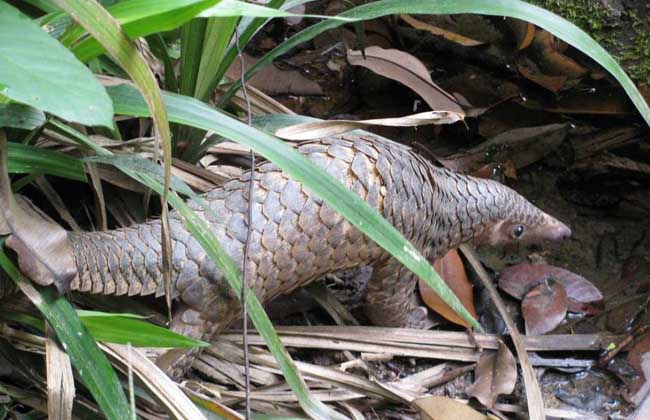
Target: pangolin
(296, 238)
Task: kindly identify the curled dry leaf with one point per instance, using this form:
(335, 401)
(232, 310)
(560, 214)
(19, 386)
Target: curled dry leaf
(318, 129)
(448, 35)
(524, 32)
(551, 58)
(583, 296)
(452, 271)
(544, 307)
(495, 374)
(519, 147)
(639, 359)
(44, 252)
(530, 71)
(409, 71)
(443, 408)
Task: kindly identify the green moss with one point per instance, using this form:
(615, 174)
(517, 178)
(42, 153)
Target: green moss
(589, 15)
(625, 35)
(636, 57)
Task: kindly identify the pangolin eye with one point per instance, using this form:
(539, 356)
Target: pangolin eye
(518, 231)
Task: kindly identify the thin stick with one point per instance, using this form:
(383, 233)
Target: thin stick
(533, 392)
(244, 289)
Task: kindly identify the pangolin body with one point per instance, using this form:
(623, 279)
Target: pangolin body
(296, 238)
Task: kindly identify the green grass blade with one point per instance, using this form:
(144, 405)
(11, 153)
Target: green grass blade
(64, 87)
(116, 328)
(218, 34)
(25, 159)
(188, 111)
(90, 363)
(123, 330)
(138, 18)
(553, 23)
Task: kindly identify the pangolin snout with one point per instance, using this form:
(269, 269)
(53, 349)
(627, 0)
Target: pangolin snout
(558, 232)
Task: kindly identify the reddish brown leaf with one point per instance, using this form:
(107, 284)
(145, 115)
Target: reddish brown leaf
(408, 70)
(551, 58)
(443, 408)
(635, 358)
(518, 279)
(452, 271)
(530, 71)
(44, 252)
(544, 307)
(524, 32)
(451, 36)
(519, 147)
(495, 374)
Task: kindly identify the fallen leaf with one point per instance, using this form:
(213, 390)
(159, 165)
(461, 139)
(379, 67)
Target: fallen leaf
(582, 295)
(325, 128)
(452, 271)
(635, 375)
(451, 36)
(519, 147)
(443, 408)
(495, 374)
(274, 81)
(44, 252)
(544, 307)
(408, 70)
(610, 100)
(524, 33)
(551, 58)
(530, 71)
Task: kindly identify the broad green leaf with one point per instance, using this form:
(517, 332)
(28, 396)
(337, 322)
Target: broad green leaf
(38, 71)
(24, 159)
(17, 115)
(188, 111)
(551, 22)
(90, 363)
(138, 18)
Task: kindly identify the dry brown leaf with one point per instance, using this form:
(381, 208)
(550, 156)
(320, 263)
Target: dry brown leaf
(60, 381)
(319, 129)
(583, 296)
(274, 81)
(44, 252)
(530, 71)
(409, 71)
(520, 147)
(451, 36)
(452, 271)
(544, 307)
(443, 408)
(495, 374)
(639, 359)
(524, 32)
(610, 100)
(552, 60)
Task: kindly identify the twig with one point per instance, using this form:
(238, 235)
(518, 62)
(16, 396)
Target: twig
(533, 392)
(244, 289)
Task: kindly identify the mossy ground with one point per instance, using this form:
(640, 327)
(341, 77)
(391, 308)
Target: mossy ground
(623, 31)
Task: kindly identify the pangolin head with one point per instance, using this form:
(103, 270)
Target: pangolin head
(512, 218)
